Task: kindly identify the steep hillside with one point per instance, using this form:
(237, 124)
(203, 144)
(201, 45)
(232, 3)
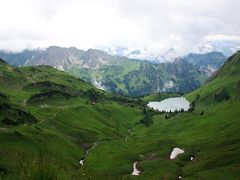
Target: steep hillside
(225, 81)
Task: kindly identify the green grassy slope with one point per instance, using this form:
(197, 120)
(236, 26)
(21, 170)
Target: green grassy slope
(72, 117)
(49, 119)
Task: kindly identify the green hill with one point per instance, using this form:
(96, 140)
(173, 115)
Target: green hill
(49, 119)
(67, 119)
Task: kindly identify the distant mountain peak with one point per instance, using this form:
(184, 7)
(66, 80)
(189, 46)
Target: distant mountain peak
(170, 55)
(225, 47)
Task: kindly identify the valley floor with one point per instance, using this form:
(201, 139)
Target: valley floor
(61, 139)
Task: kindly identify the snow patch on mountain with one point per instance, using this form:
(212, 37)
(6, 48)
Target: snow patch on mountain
(224, 46)
(98, 84)
(60, 68)
(144, 54)
(168, 85)
(170, 55)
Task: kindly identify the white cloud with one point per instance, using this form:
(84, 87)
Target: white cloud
(222, 37)
(154, 24)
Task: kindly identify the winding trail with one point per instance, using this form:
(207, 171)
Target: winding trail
(135, 172)
(24, 102)
(130, 132)
(53, 116)
(81, 162)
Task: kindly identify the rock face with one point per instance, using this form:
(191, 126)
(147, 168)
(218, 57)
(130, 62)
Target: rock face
(58, 57)
(114, 73)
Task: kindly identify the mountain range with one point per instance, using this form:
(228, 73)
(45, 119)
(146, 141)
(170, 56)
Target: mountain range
(225, 47)
(119, 74)
(143, 54)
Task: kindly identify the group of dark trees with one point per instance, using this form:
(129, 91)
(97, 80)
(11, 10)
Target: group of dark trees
(51, 86)
(192, 106)
(147, 120)
(93, 96)
(222, 94)
(172, 113)
(168, 93)
(128, 101)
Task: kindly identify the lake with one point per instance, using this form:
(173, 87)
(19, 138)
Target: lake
(170, 104)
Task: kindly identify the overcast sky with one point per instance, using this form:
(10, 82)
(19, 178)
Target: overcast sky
(155, 24)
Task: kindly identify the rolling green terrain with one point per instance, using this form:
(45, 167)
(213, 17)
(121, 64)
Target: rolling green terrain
(49, 121)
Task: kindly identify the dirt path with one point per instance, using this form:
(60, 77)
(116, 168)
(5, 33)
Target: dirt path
(53, 116)
(130, 132)
(81, 162)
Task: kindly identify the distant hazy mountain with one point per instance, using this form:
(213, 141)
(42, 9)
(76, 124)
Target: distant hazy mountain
(209, 62)
(58, 57)
(144, 54)
(114, 73)
(227, 48)
(170, 55)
